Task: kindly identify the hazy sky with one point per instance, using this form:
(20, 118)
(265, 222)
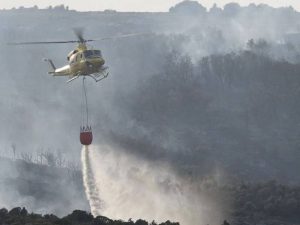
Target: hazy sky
(135, 5)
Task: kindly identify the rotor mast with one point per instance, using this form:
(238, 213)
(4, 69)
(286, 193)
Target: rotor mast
(81, 46)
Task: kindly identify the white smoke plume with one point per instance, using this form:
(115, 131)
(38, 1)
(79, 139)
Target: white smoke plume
(89, 183)
(130, 187)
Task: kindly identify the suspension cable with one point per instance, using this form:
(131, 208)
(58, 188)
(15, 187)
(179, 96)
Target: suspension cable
(86, 100)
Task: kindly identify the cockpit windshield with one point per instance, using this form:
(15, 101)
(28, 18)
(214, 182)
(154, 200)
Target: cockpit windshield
(92, 53)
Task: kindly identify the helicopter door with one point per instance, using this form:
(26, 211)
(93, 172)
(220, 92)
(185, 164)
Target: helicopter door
(80, 57)
(72, 60)
(76, 59)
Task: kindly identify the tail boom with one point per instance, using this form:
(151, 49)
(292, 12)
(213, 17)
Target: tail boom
(63, 71)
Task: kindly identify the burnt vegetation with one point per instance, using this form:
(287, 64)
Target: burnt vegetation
(238, 111)
(192, 99)
(20, 216)
(253, 203)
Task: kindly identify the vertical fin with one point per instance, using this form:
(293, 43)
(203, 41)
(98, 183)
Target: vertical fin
(50, 63)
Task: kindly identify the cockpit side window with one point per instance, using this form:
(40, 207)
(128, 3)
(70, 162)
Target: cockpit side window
(88, 54)
(97, 52)
(71, 54)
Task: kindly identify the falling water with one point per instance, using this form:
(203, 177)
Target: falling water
(132, 187)
(89, 182)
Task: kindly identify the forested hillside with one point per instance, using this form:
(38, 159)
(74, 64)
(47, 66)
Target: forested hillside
(42, 188)
(20, 216)
(212, 93)
(237, 111)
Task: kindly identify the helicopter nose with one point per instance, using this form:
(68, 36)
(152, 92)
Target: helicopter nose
(95, 60)
(89, 64)
(99, 61)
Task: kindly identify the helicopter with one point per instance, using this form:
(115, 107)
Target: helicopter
(82, 61)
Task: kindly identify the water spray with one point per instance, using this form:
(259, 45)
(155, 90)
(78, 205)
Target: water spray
(89, 183)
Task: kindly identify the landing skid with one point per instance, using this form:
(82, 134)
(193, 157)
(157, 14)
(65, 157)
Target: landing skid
(99, 76)
(96, 76)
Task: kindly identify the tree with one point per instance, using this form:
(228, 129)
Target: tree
(27, 157)
(188, 8)
(141, 222)
(50, 158)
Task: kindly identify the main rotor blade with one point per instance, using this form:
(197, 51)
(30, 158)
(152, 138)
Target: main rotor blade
(79, 33)
(40, 42)
(119, 36)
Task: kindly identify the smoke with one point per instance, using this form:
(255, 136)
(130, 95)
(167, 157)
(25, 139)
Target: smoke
(216, 31)
(131, 187)
(89, 182)
(40, 188)
(194, 125)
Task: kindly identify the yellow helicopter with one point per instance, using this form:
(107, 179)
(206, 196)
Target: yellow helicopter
(82, 61)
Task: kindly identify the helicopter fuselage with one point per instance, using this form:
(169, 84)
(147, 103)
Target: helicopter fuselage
(82, 62)
(85, 62)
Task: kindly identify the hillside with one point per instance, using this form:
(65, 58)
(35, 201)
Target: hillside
(193, 93)
(211, 93)
(41, 188)
(20, 216)
(53, 191)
